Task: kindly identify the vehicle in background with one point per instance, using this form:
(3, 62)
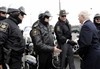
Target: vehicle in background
(75, 37)
(28, 59)
(26, 34)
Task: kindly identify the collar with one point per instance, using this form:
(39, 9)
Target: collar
(61, 20)
(13, 19)
(85, 21)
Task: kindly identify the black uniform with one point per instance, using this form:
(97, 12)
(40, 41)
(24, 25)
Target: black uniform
(2, 18)
(11, 42)
(42, 38)
(97, 17)
(98, 28)
(63, 33)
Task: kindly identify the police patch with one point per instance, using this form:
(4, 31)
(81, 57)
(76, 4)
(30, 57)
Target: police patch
(3, 26)
(35, 32)
(58, 28)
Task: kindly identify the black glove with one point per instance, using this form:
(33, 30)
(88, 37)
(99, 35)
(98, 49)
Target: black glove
(71, 42)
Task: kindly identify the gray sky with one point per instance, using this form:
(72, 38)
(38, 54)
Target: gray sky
(34, 7)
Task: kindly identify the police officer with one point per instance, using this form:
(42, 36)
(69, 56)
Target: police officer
(96, 21)
(63, 34)
(42, 38)
(3, 12)
(12, 43)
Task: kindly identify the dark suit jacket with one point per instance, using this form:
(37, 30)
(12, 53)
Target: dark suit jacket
(88, 39)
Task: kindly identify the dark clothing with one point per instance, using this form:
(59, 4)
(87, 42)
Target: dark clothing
(44, 61)
(63, 33)
(14, 63)
(11, 41)
(42, 38)
(89, 46)
(2, 18)
(67, 56)
(98, 28)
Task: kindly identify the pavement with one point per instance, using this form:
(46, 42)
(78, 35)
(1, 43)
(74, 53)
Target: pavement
(76, 61)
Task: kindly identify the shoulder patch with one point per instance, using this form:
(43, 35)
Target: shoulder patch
(35, 32)
(58, 28)
(3, 26)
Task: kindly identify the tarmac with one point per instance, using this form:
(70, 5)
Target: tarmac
(76, 61)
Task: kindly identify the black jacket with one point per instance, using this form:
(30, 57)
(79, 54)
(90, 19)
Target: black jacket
(11, 37)
(42, 38)
(88, 39)
(2, 18)
(63, 31)
(98, 28)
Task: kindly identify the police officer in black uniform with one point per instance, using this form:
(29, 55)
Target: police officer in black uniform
(63, 34)
(42, 38)
(96, 21)
(12, 43)
(3, 12)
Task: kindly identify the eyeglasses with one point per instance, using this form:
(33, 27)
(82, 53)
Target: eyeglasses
(63, 16)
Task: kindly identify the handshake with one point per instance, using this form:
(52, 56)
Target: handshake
(71, 42)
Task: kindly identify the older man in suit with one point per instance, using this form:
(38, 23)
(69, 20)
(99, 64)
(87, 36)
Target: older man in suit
(89, 46)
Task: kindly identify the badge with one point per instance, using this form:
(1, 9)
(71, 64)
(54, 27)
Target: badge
(35, 32)
(3, 27)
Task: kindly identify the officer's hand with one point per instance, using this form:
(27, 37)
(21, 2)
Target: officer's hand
(1, 67)
(71, 42)
(57, 50)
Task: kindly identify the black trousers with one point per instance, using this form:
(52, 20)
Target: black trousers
(44, 61)
(67, 56)
(14, 63)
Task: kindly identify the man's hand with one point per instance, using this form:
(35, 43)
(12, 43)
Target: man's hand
(71, 42)
(1, 67)
(57, 51)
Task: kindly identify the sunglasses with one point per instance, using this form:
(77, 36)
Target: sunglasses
(98, 19)
(63, 16)
(3, 12)
(47, 17)
(22, 14)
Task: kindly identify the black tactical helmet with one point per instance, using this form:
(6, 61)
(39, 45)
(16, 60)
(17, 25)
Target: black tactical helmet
(47, 13)
(16, 12)
(40, 16)
(22, 10)
(12, 10)
(3, 9)
(97, 15)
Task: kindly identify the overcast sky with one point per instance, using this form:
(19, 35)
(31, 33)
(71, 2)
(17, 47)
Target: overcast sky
(34, 7)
